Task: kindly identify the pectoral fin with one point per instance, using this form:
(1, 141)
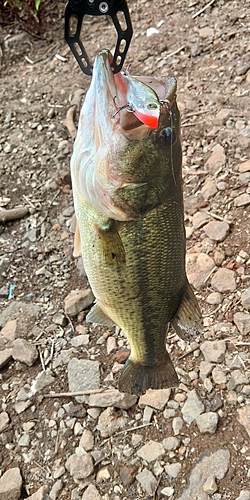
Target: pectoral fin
(74, 228)
(187, 321)
(96, 315)
(111, 243)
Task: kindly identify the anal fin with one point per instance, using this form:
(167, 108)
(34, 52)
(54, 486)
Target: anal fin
(96, 315)
(187, 321)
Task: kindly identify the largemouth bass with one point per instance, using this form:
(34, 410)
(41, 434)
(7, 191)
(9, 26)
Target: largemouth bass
(127, 188)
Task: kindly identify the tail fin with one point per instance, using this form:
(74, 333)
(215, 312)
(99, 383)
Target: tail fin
(136, 378)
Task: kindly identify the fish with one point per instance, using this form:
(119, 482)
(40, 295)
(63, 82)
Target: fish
(128, 199)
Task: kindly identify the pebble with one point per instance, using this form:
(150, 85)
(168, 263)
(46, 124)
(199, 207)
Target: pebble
(80, 340)
(171, 443)
(213, 351)
(147, 481)
(177, 425)
(219, 375)
(77, 301)
(209, 189)
(173, 470)
(216, 160)
(210, 485)
(222, 116)
(42, 380)
(11, 484)
(91, 493)
(127, 474)
(192, 407)
(24, 352)
(213, 464)
(216, 230)
(80, 467)
(83, 375)
(111, 421)
(214, 298)
(236, 378)
(244, 495)
(19, 310)
(242, 200)
(151, 451)
(242, 321)
(224, 280)
(24, 440)
(55, 490)
(111, 345)
(102, 475)
(8, 332)
(147, 415)
(245, 298)
(155, 398)
(4, 420)
(168, 491)
(207, 422)
(112, 398)
(87, 440)
(39, 494)
(199, 266)
(59, 319)
(5, 357)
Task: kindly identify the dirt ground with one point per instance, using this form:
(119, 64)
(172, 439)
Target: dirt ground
(209, 55)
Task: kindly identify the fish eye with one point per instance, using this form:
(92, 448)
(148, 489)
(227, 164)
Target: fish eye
(152, 105)
(167, 137)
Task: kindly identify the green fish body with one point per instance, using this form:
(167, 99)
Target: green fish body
(127, 189)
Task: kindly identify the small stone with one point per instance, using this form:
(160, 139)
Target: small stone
(103, 474)
(192, 407)
(168, 491)
(59, 319)
(80, 340)
(208, 384)
(11, 484)
(171, 443)
(216, 230)
(206, 32)
(111, 421)
(42, 380)
(205, 369)
(136, 439)
(59, 472)
(147, 481)
(111, 344)
(80, 467)
(214, 350)
(91, 493)
(219, 375)
(242, 200)
(147, 415)
(210, 485)
(39, 494)
(83, 375)
(127, 474)
(77, 301)
(200, 218)
(55, 490)
(4, 420)
(24, 352)
(236, 378)
(112, 398)
(173, 470)
(224, 280)
(21, 311)
(242, 321)
(177, 425)
(199, 266)
(214, 298)
(209, 189)
(87, 440)
(245, 298)
(207, 422)
(222, 116)
(24, 440)
(8, 332)
(151, 451)
(244, 495)
(217, 159)
(244, 167)
(22, 406)
(5, 357)
(155, 398)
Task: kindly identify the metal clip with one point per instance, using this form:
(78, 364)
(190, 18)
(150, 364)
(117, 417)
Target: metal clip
(74, 14)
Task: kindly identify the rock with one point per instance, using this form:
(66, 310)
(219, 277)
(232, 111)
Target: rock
(111, 421)
(216, 230)
(205, 369)
(155, 398)
(111, 344)
(242, 200)
(211, 464)
(8, 333)
(151, 451)
(242, 321)
(80, 467)
(103, 474)
(173, 470)
(208, 384)
(59, 319)
(207, 422)
(209, 189)
(147, 481)
(171, 443)
(236, 378)
(80, 340)
(77, 301)
(224, 280)
(22, 312)
(39, 494)
(168, 491)
(24, 352)
(192, 407)
(87, 440)
(243, 416)
(11, 484)
(5, 357)
(55, 490)
(112, 398)
(199, 266)
(244, 495)
(127, 474)
(214, 298)
(219, 375)
(63, 357)
(213, 350)
(210, 485)
(24, 440)
(42, 380)
(244, 167)
(91, 493)
(245, 298)
(4, 420)
(177, 425)
(217, 159)
(222, 116)
(83, 375)
(200, 219)
(147, 415)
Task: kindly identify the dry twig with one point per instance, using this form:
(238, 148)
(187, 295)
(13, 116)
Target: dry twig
(203, 8)
(13, 213)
